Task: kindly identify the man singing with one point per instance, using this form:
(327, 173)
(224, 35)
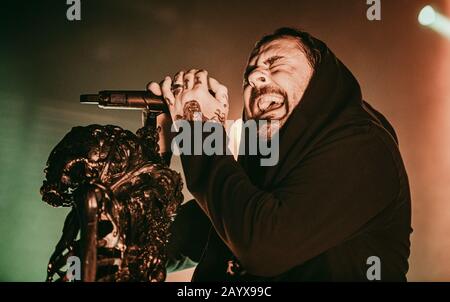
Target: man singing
(337, 197)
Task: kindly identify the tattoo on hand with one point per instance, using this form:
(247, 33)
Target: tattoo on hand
(192, 107)
(220, 116)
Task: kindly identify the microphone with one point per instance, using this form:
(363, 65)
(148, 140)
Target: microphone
(126, 99)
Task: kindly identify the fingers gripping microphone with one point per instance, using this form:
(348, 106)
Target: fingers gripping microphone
(126, 99)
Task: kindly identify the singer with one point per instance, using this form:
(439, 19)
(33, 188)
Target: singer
(338, 196)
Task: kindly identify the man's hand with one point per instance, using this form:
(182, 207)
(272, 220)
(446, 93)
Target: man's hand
(191, 92)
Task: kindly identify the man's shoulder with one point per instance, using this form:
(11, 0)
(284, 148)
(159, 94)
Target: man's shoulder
(360, 122)
(359, 148)
(352, 135)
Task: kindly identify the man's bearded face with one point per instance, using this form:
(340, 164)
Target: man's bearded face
(275, 80)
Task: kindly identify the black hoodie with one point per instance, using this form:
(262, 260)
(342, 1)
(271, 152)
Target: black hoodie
(338, 196)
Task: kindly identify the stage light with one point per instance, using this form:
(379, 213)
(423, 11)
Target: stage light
(427, 15)
(431, 18)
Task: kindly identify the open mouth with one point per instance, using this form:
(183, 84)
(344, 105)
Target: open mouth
(269, 104)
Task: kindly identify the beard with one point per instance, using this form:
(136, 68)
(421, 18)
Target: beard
(267, 129)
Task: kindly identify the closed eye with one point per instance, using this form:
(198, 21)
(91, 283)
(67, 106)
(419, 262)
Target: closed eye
(272, 60)
(269, 62)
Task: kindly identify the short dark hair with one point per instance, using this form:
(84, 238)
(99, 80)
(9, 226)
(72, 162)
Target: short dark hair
(306, 42)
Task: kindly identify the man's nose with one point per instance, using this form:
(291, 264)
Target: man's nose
(258, 78)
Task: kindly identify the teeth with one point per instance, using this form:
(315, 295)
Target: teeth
(266, 101)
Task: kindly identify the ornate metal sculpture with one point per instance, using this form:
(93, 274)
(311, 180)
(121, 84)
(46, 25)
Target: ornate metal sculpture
(123, 198)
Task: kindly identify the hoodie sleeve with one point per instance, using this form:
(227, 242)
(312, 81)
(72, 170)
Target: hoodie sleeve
(346, 181)
(188, 236)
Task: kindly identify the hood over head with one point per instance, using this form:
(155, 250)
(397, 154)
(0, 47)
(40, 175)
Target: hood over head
(333, 98)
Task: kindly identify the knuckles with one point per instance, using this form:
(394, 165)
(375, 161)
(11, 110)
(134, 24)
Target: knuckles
(197, 90)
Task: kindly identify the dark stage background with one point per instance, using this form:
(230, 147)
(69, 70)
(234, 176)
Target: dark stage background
(47, 61)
